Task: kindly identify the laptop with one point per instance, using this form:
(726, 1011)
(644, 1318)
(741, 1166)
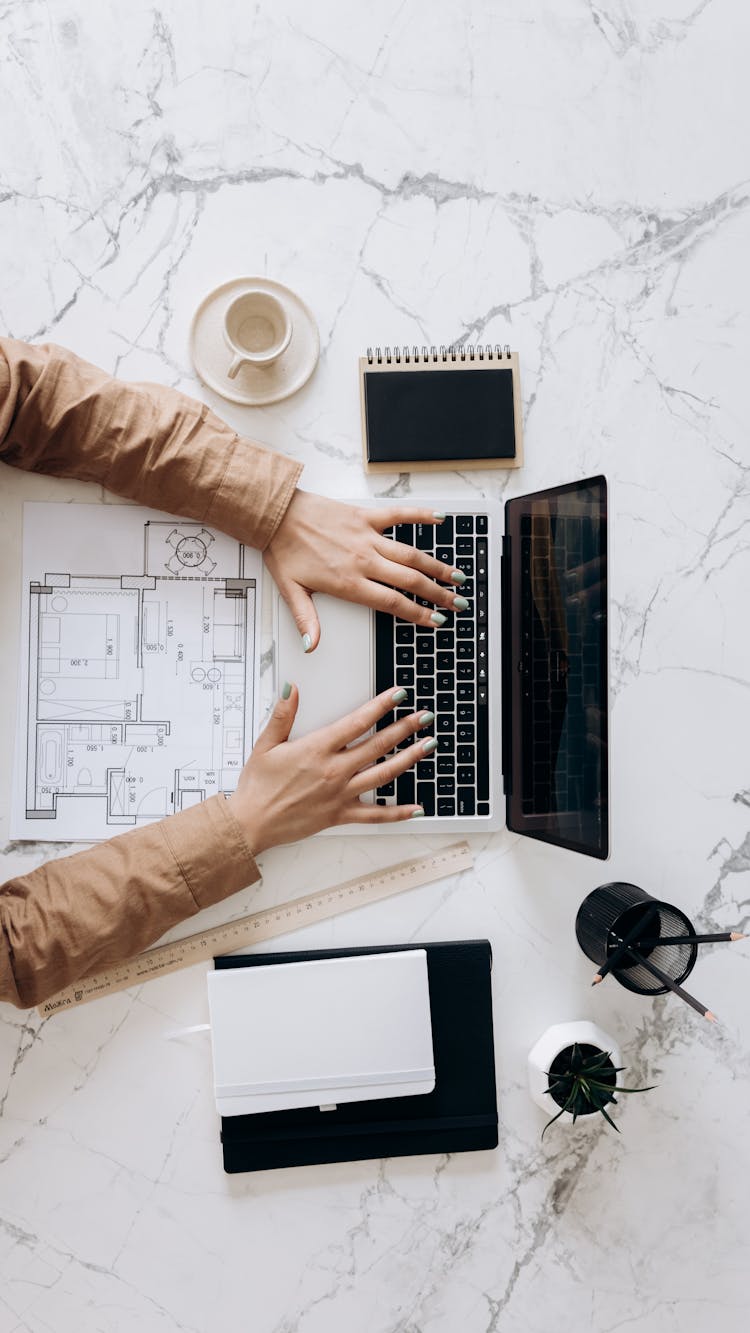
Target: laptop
(517, 683)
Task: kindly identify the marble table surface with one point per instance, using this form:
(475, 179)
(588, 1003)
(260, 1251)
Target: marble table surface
(571, 178)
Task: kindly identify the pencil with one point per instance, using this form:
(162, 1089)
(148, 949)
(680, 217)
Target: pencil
(622, 949)
(727, 936)
(672, 985)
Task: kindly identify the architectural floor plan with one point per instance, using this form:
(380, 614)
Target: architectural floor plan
(138, 690)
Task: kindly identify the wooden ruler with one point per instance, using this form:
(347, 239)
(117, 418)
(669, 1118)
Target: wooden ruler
(265, 925)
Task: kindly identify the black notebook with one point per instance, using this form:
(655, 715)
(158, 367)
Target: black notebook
(459, 407)
(459, 1115)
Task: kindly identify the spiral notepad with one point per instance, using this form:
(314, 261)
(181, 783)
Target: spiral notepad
(434, 408)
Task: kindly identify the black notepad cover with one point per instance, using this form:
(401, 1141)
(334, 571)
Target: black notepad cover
(459, 1115)
(439, 415)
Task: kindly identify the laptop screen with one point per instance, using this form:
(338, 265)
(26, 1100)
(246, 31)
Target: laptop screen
(555, 723)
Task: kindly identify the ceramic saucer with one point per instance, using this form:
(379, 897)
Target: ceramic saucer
(253, 385)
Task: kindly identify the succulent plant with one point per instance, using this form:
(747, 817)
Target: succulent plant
(582, 1080)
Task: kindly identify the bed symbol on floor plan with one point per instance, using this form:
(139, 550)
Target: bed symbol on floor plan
(190, 548)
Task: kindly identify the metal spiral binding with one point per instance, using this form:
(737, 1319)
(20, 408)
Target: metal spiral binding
(454, 352)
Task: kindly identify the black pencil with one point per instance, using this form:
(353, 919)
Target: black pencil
(622, 949)
(727, 936)
(673, 986)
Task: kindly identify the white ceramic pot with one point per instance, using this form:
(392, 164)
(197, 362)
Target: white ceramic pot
(549, 1046)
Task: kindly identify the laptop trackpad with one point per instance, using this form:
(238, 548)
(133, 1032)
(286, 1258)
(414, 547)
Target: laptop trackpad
(337, 677)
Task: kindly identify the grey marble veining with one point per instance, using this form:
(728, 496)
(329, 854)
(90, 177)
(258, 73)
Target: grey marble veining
(571, 178)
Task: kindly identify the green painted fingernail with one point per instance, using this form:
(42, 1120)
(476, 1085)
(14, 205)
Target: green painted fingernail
(437, 513)
(429, 745)
(438, 618)
(458, 576)
(306, 643)
(286, 690)
(426, 719)
(460, 603)
(418, 813)
(398, 697)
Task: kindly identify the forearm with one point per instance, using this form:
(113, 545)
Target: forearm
(63, 416)
(101, 906)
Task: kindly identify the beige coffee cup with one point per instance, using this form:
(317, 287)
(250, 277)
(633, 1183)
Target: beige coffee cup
(257, 329)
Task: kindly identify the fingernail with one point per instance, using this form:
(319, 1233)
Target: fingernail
(438, 618)
(458, 576)
(429, 745)
(418, 813)
(286, 690)
(426, 718)
(306, 643)
(398, 697)
(460, 603)
(437, 513)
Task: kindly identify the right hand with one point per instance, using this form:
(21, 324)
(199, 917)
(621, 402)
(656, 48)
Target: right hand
(290, 789)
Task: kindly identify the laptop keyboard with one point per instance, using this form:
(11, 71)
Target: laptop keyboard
(445, 670)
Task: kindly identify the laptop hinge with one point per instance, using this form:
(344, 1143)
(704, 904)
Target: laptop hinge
(505, 621)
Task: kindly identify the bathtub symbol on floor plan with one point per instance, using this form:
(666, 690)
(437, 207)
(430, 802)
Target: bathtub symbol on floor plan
(190, 551)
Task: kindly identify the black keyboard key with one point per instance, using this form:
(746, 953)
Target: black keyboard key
(405, 677)
(426, 797)
(446, 787)
(464, 712)
(404, 656)
(466, 754)
(405, 788)
(424, 702)
(465, 690)
(426, 687)
(444, 661)
(444, 639)
(464, 670)
(446, 744)
(445, 763)
(483, 807)
(388, 789)
(424, 537)
(383, 651)
(381, 800)
(465, 801)
(464, 629)
(466, 565)
(444, 532)
(425, 666)
(445, 555)
(466, 775)
(463, 649)
(425, 643)
(481, 522)
(464, 546)
(445, 682)
(445, 722)
(465, 523)
(446, 806)
(446, 703)
(426, 770)
(465, 735)
(404, 532)
(405, 634)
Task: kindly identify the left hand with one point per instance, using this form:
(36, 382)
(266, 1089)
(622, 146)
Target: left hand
(322, 545)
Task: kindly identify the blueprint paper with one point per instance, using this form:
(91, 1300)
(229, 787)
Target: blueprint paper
(138, 680)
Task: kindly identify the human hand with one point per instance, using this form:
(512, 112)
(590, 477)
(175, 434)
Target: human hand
(322, 545)
(290, 789)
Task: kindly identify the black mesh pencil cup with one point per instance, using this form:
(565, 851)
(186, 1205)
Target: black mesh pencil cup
(608, 914)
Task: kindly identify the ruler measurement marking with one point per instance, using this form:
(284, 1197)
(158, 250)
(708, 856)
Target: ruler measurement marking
(265, 924)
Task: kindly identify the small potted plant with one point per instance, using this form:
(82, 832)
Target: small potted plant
(574, 1066)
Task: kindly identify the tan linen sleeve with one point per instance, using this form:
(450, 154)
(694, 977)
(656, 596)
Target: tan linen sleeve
(81, 912)
(63, 416)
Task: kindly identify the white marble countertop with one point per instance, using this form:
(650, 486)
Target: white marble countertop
(567, 177)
